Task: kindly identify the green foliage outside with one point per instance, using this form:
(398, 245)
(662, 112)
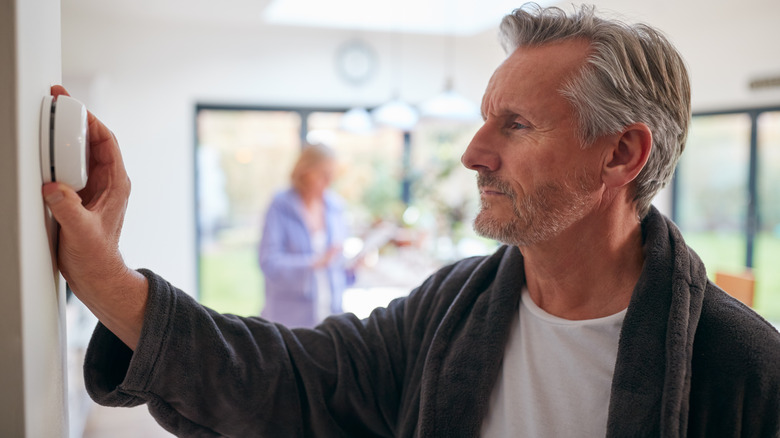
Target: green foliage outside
(381, 199)
(231, 281)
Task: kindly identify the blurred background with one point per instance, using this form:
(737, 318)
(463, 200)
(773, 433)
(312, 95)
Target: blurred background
(211, 102)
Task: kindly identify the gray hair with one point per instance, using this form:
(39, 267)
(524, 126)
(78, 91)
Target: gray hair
(633, 74)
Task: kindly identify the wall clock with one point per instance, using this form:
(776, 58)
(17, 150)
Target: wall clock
(355, 62)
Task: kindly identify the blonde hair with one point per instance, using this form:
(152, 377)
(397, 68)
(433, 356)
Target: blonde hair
(311, 156)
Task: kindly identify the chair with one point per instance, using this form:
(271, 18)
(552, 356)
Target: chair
(740, 286)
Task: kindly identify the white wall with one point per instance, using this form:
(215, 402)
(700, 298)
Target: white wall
(32, 325)
(144, 79)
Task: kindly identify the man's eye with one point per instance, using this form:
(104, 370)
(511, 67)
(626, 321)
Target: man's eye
(519, 125)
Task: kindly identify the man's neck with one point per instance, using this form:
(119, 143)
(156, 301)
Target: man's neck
(585, 272)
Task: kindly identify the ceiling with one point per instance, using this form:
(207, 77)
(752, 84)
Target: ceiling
(451, 17)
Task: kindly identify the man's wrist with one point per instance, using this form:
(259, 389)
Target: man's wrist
(119, 303)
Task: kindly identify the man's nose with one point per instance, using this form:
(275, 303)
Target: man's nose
(481, 153)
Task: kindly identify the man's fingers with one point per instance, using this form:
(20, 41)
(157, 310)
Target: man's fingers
(57, 90)
(104, 147)
(102, 141)
(64, 203)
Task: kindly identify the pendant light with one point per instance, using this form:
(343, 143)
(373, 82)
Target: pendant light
(357, 120)
(396, 113)
(449, 104)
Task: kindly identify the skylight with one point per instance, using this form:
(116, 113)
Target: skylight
(447, 17)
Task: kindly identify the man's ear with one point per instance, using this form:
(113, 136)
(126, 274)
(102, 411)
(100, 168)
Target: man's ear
(627, 155)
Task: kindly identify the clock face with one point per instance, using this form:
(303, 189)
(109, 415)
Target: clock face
(355, 62)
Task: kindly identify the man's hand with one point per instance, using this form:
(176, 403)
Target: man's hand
(90, 225)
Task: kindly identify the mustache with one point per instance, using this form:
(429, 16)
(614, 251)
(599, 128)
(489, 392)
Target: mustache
(495, 183)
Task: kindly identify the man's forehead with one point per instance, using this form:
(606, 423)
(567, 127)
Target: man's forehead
(532, 72)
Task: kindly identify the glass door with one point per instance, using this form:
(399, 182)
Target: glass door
(242, 158)
(712, 190)
(767, 246)
(727, 198)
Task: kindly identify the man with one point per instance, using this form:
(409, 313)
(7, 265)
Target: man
(595, 319)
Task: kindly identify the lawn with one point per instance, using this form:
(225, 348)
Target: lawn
(231, 281)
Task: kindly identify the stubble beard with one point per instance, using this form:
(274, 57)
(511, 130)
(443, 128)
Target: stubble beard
(537, 217)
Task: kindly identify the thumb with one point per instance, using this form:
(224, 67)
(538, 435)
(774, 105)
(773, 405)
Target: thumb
(64, 203)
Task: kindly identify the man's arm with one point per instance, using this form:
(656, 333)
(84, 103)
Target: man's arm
(203, 373)
(90, 225)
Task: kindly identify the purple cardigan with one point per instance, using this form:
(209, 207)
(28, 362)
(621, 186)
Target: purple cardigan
(285, 255)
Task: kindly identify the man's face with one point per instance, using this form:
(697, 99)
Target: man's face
(535, 179)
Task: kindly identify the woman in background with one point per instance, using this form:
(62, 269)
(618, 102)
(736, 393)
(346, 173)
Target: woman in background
(301, 246)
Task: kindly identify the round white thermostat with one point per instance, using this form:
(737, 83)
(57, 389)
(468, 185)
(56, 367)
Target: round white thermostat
(64, 144)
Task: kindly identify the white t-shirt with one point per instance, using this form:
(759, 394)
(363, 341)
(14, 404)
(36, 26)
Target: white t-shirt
(319, 243)
(556, 376)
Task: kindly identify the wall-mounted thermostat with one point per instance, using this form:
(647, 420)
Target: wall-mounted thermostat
(63, 141)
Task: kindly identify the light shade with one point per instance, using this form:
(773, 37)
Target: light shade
(450, 105)
(397, 114)
(357, 120)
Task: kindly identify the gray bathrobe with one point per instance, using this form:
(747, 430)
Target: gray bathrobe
(691, 360)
